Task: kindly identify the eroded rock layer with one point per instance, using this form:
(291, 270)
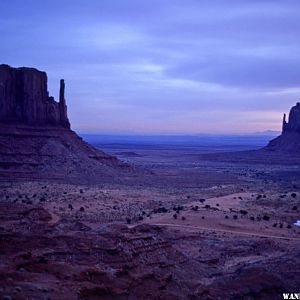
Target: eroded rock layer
(35, 136)
(289, 140)
(24, 98)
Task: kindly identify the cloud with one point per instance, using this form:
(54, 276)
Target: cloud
(137, 62)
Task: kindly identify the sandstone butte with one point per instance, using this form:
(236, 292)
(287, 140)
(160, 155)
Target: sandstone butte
(289, 140)
(36, 140)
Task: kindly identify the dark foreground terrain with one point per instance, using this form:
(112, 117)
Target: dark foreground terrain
(193, 227)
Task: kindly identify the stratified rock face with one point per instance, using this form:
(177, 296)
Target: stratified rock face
(24, 98)
(293, 125)
(35, 136)
(289, 140)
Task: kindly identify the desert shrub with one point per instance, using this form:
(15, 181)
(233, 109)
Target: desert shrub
(178, 208)
(266, 218)
(128, 220)
(226, 217)
(294, 195)
(81, 208)
(160, 210)
(175, 216)
(183, 218)
(294, 207)
(243, 212)
(289, 226)
(235, 217)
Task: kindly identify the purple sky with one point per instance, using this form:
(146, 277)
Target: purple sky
(161, 66)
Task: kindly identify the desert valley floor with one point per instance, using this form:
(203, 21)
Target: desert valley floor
(182, 228)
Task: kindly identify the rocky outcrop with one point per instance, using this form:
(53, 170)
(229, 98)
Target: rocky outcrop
(293, 125)
(289, 140)
(24, 98)
(35, 136)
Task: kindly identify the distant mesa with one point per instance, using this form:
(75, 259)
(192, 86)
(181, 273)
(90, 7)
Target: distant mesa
(289, 140)
(35, 136)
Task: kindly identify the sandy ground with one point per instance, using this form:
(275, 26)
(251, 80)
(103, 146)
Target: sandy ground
(193, 225)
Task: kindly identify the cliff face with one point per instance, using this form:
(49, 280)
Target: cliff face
(293, 125)
(24, 98)
(289, 140)
(35, 136)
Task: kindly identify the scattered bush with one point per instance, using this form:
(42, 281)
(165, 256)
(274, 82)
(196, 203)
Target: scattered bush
(160, 210)
(243, 212)
(183, 218)
(294, 195)
(295, 207)
(235, 217)
(266, 218)
(81, 208)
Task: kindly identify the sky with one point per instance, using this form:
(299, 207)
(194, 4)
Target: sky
(161, 66)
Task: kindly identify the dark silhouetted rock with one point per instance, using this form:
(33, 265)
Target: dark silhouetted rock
(35, 136)
(289, 140)
(25, 98)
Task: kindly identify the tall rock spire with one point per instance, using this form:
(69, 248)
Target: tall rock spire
(62, 106)
(284, 123)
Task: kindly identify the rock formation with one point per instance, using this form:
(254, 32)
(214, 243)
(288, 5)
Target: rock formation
(35, 136)
(25, 98)
(289, 140)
